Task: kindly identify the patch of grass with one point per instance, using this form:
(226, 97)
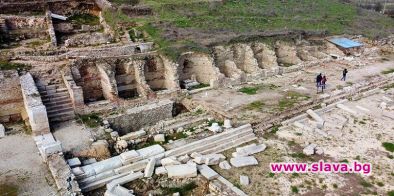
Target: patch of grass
(388, 71)
(183, 190)
(90, 120)
(365, 184)
(381, 184)
(390, 193)
(249, 90)
(85, 19)
(35, 44)
(388, 146)
(290, 99)
(271, 175)
(291, 143)
(175, 136)
(344, 161)
(198, 111)
(390, 156)
(256, 105)
(335, 186)
(298, 155)
(294, 175)
(388, 87)
(6, 65)
(9, 190)
(275, 129)
(294, 189)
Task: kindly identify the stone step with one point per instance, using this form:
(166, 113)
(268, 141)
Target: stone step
(54, 95)
(50, 87)
(59, 111)
(211, 142)
(59, 106)
(62, 119)
(232, 144)
(59, 90)
(55, 99)
(55, 103)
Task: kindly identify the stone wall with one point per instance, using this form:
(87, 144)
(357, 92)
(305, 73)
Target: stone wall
(11, 101)
(200, 67)
(35, 109)
(25, 27)
(138, 117)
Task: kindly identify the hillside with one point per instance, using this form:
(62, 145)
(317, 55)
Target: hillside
(175, 23)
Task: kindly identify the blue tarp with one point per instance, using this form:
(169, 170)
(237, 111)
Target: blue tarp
(345, 43)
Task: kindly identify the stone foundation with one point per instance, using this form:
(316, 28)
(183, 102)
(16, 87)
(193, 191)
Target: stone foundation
(11, 100)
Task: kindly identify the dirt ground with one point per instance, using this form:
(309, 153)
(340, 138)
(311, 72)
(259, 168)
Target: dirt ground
(360, 139)
(234, 103)
(74, 136)
(22, 171)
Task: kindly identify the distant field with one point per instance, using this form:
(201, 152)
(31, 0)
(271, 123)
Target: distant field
(189, 22)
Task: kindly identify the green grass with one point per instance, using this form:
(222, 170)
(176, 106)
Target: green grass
(85, 19)
(249, 90)
(390, 193)
(6, 65)
(246, 18)
(365, 184)
(290, 99)
(388, 87)
(388, 71)
(388, 146)
(294, 189)
(256, 105)
(9, 190)
(90, 120)
(183, 190)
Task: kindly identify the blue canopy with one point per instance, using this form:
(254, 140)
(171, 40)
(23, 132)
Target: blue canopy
(345, 42)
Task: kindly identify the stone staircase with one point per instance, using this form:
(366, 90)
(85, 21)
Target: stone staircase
(57, 102)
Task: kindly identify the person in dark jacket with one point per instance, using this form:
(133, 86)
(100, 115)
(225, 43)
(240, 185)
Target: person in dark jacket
(318, 81)
(323, 83)
(344, 73)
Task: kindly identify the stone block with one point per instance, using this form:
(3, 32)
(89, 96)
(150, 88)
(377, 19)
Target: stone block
(159, 138)
(169, 161)
(244, 180)
(207, 172)
(2, 131)
(74, 162)
(215, 128)
(51, 148)
(243, 161)
(130, 156)
(125, 179)
(150, 167)
(249, 150)
(160, 171)
(181, 171)
(310, 149)
(184, 159)
(133, 135)
(150, 151)
(107, 164)
(225, 165)
(89, 161)
(227, 124)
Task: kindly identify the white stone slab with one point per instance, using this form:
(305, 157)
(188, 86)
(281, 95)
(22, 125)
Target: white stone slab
(150, 151)
(89, 161)
(133, 135)
(169, 161)
(207, 172)
(243, 161)
(130, 156)
(160, 170)
(244, 180)
(310, 149)
(74, 162)
(150, 167)
(181, 171)
(225, 165)
(249, 150)
(2, 131)
(159, 138)
(125, 179)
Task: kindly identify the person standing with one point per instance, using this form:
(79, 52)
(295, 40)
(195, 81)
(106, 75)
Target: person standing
(323, 83)
(344, 73)
(318, 82)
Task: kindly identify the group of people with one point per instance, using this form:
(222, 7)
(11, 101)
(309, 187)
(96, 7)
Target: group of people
(322, 79)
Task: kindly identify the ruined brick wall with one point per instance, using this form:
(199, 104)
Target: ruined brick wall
(11, 101)
(21, 6)
(25, 27)
(138, 117)
(200, 66)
